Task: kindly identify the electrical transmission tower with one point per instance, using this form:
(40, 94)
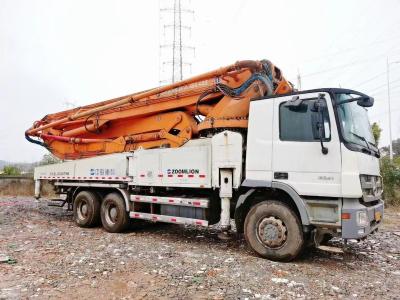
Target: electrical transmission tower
(175, 48)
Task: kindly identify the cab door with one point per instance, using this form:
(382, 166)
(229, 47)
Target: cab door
(298, 157)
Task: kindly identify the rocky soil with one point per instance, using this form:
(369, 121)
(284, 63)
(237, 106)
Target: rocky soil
(44, 255)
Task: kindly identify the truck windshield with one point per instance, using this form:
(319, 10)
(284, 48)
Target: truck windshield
(355, 124)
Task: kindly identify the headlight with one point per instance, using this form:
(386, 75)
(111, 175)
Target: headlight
(362, 219)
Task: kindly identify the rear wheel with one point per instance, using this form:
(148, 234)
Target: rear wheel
(87, 209)
(114, 216)
(274, 231)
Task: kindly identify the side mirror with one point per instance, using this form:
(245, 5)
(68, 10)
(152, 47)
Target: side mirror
(365, 101)
(317, 120)
(315, 124)
(296, 104)
(319, 105)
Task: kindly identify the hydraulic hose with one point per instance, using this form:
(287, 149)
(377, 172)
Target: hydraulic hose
(29, 139)
(265, 80)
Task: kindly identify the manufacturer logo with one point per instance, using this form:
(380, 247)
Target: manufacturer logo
(101, 172)
(183, 171)
(326, 178)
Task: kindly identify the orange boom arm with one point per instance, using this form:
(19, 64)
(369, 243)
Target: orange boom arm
(166, 116)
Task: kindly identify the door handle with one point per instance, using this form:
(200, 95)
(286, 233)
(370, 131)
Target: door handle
(281, 175)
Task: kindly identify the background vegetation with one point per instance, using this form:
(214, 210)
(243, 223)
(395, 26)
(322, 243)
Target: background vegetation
(23, 184)
(11, 171)
(390, 170)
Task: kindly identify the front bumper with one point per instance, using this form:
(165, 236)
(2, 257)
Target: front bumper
(351, 228)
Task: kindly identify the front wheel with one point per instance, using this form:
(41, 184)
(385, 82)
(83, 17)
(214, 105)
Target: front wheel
(274, 231)
(114, 216)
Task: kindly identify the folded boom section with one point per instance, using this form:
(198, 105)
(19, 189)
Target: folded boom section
(166, 116)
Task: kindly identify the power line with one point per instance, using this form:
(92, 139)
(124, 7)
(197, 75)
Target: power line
(385, 90)
(347, 65)
(384, 113)
(383, 85)
(351, 49)
(370, 79)
(367, 65)
(376, 41)
(355, 62)
(388, 32)
(384, 54)
(353, 33)
(379, 97)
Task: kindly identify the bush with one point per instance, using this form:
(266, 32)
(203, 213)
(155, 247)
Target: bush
(390, 172)
(11, 171)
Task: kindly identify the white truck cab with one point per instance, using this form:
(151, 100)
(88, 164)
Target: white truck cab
(305, 170)
(318, 145)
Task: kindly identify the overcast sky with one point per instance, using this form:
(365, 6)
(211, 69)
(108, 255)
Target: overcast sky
(53, 52)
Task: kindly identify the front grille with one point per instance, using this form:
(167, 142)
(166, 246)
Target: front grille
(372, 187)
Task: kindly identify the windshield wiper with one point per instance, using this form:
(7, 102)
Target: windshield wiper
(363, 139)
(376, 149)
(377, 153)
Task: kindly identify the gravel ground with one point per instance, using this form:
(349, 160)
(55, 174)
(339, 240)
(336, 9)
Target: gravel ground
(44, 255)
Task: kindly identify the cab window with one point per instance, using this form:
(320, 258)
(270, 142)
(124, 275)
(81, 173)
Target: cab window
(296, 123)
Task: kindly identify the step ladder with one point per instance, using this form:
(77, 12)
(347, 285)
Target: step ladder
(59, 203)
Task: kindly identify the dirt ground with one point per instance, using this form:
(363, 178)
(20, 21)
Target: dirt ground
(44, 255)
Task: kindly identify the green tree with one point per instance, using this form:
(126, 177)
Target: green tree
(390, 171)
(376, 131)
(396, 161)
(11, 170)
(396, 147)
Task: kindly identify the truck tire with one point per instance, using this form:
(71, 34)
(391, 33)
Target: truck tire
(87, 209)
(273, 231)
(114, 216)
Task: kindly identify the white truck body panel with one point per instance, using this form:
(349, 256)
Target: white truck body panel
(194, 165)
(353, 165)
(112, 167)
(227, 153)
(259, 142)
(187, 166)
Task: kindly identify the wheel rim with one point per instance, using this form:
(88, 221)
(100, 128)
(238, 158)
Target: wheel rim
(272, 232)
(83, 210)
(111, 214)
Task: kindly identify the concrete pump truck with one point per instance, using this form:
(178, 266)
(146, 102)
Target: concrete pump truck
(289, 167)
